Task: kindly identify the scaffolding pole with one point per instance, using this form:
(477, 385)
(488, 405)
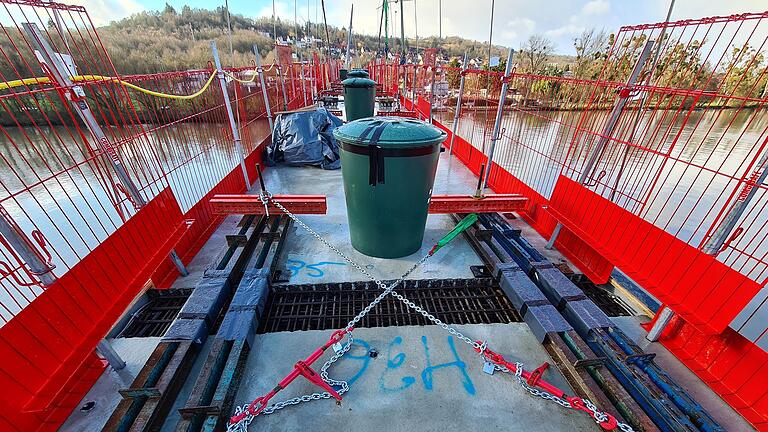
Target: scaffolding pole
(230, 114)
(264, 93)
(457, 113)
(76, 96)
(497, 124)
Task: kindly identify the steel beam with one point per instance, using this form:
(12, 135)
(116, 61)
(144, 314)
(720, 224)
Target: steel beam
(251, 204)
(504, 203)
(317, 204)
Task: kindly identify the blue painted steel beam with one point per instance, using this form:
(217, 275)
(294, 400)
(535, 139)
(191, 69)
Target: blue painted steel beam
(652, 388)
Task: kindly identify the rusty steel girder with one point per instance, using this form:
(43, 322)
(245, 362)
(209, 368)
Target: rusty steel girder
(316, 204)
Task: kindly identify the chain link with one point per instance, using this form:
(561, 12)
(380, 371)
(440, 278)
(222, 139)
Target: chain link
(242, 426)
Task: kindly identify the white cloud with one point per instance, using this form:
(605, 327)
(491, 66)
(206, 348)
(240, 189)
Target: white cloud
(596, 7)
(104, 11)
(566, 30)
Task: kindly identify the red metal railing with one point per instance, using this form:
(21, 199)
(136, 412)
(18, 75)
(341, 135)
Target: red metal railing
(685, 151)
(62, 197)
(669, 169)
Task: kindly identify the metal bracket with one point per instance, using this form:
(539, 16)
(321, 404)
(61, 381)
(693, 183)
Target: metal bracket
(590, 362)
(145, 392)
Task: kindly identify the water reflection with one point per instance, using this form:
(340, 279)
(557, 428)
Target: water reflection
(51, 177)
(678, 173)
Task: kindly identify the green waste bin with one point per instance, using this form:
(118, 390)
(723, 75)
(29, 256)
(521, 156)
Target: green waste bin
(343, 74)
(359, 97)
(388, 165)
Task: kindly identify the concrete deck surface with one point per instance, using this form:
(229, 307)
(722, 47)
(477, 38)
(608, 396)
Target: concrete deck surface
(422, 379)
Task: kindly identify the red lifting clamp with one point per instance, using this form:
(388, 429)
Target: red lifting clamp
(301, 368)
(534, 379)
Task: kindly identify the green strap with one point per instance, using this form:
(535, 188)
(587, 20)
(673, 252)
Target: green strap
(465, 223)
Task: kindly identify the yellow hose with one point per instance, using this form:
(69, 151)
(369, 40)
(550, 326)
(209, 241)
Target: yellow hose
(79, 78)
(253, 77)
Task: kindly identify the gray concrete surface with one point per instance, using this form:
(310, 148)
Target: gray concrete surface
(135, 352)
(307, 260)
(717, 408)
(397, 390)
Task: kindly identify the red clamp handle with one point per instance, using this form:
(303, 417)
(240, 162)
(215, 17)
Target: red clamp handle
(313, 377)
(536, 374)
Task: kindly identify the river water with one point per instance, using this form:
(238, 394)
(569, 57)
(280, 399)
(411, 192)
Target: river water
(74, 209)
(47, 177)
(678, 175)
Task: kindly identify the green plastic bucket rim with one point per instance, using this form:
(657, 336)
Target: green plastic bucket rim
(415, 134)
(357, 82)
(358, 73)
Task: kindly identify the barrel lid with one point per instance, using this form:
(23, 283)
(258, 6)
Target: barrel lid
(358, 82)
(396, 132)
(359, 73)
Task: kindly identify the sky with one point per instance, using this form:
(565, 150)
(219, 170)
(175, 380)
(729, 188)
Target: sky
(514, 20)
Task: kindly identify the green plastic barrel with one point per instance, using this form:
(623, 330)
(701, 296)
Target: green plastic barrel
(388, 165)
(359, 97)
(343, 74)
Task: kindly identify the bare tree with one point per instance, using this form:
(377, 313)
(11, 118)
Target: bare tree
(590, 46)
(535, 52)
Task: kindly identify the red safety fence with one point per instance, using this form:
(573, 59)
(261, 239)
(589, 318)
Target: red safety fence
(98, 240)
(659, 177)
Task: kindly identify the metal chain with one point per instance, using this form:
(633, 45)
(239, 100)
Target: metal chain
(242, 426)
(597, 415)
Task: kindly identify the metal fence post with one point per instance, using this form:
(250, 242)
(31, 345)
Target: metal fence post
(77, 100)
(230, 115)
(303, 83)
(607, 132)
(457, 113)
(499, 114)
(665, 315)
(413, 87)
(282, 84)
(264, 93)
(349, 37)
(715, 242)
(432, 91)
(312, 79)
